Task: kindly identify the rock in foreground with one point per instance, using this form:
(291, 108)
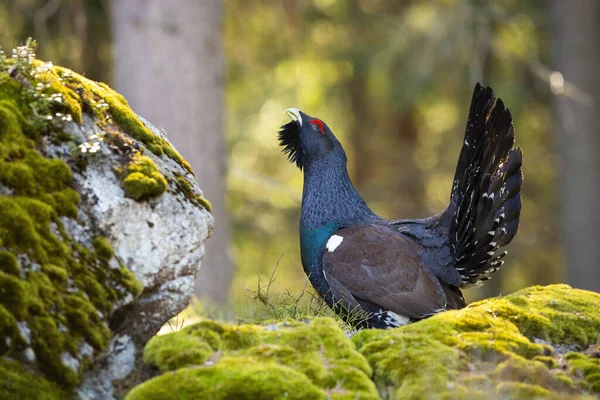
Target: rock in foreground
(102, 228)
(541, 342)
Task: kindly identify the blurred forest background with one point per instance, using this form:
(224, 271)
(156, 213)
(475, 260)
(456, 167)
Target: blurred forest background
(393, 79)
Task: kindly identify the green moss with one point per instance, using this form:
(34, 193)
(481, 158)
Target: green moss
(127, 279)
(18, 383)
(104, 250)
(516, 390)
(56, 273)
(109, 106)
(546, 360)
(566, 381)
(584, 367)
(518, 369)
(143, 180)
(488, 350)
(216, 356)
(593, 377)
(472, 381)
(243, 381)
(185, 187)
(9, 263)
(60, 290)
(13, 295)
(46, 340)
(8, 326)
(177, 350)
(499, 337)
(575, 356)
(208, 336)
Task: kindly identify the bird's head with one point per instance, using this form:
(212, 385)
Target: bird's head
(306, 139)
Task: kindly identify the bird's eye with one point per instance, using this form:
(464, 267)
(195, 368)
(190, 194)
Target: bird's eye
(317, 126)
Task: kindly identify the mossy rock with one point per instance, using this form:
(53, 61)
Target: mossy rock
(507, 347)
(537, 343)
(63, 281)
(292, 360)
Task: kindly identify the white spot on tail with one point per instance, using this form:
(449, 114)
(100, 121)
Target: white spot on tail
(333, 243)
(392, 319)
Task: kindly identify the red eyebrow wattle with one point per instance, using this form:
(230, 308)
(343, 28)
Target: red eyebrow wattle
(318, 123)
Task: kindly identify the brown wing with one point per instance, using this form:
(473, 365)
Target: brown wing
(373, 263)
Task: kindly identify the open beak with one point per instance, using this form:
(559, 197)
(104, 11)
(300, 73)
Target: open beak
(294, 115)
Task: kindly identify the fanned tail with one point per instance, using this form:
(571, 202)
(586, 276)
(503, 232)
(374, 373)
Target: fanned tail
(486, 194)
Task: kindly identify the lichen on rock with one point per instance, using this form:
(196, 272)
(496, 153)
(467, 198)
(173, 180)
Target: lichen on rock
(68, 275)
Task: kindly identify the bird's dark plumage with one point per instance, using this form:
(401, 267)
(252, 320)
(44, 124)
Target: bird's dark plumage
(405, 270)
(290, 140)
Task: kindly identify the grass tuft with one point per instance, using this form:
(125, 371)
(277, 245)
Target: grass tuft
(307, 304)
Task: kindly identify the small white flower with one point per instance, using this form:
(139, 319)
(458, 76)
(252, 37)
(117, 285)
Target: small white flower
(84, 147)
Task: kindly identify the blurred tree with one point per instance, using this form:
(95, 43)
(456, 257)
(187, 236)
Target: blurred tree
(168, 64)
(576, 34)
(71, 33)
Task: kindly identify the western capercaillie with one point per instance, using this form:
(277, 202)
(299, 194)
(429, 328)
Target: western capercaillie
(398, 271)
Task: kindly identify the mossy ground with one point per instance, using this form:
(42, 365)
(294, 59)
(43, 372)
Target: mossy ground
(56, 295)
(298, 360)
(513, 347)
(508, 347)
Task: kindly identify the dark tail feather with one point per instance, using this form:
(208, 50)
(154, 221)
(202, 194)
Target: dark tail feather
(486, 194)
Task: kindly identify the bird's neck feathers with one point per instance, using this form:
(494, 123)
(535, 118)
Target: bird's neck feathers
(328, 196)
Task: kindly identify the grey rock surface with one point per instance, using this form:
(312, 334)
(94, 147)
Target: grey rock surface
(161, 240)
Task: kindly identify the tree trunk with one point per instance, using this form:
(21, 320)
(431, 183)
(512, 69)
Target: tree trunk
(169, 66)
(576, 31)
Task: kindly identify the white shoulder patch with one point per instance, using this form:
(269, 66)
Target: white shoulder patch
(333, 242)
